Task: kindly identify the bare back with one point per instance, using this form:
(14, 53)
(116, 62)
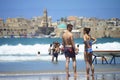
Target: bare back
(68, 39)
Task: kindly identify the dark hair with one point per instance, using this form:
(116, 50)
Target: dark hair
(87, 30)
(38, 52)
(69, 25)
(50, 45)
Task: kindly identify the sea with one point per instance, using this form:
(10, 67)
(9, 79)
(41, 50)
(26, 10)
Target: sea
(19, 60)
(26, 49)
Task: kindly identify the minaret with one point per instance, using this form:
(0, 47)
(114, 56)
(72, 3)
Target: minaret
(45, 18)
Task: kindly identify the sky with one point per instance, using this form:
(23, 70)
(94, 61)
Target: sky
(103, 9)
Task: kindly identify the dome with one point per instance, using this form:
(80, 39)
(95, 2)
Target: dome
(62, 26)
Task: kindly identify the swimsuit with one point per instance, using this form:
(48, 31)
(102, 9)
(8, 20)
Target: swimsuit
(69, 52)
(89, 50)
(55, 54)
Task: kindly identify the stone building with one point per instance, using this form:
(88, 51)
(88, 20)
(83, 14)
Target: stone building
(43, 25)
(1, 26)
(21, 27)
(1, 23)
(42, 21)
(16, 27)
(45, 18)
(61, 28)
(113, 28)
(101, 28)
(113, 22)
(74, 20)
(112, 31)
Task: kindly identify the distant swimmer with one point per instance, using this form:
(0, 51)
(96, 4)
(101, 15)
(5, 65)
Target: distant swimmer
(96, 47)
(77, 49)
(38, 53)
(50, 50)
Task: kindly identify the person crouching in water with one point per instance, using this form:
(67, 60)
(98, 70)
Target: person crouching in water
(88, 41)
(56, 51)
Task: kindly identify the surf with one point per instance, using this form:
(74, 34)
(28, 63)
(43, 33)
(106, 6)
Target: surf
(22, 52)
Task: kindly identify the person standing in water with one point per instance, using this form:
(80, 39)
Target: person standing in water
(88, 41)
(77, 49)
(56, 51)
(69, 49)
(50, 50)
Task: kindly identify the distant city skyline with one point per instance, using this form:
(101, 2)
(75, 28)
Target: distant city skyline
(103, 9)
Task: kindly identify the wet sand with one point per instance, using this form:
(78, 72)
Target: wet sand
(48, 71)
(60, 76)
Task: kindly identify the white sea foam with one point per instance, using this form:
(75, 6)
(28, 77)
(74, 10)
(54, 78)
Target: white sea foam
(29, 52)
(31, 58)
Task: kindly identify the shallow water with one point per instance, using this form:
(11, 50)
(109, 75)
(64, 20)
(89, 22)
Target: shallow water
(81, 76)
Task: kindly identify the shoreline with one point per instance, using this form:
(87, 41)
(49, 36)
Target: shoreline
(52, 73)
(41, 67)
(61, 76)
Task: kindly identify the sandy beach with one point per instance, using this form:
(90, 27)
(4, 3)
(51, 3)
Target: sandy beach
(39, 70)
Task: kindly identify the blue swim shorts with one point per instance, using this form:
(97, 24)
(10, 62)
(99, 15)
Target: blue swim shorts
(89, 50)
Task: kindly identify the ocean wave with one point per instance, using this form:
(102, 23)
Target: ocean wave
(37, 57)
(30, 52)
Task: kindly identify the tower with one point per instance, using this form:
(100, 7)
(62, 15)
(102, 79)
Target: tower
(45, 18)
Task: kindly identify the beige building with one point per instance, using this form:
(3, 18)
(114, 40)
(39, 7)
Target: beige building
(112, 31)
(42, 21)
(16, 27)
(99, 27)
(43, 25)
(61, 28)
(19, 27)
(1, 23)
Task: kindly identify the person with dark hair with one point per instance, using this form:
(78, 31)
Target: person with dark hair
(56, 51)
(77, 49)
(69, 49)
(50, 50)
(88, 41)
(38, 52)
(61, 49)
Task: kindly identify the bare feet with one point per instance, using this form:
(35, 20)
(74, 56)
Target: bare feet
(68, 75)
(92, 74)
(87, 75)
(75, 74)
